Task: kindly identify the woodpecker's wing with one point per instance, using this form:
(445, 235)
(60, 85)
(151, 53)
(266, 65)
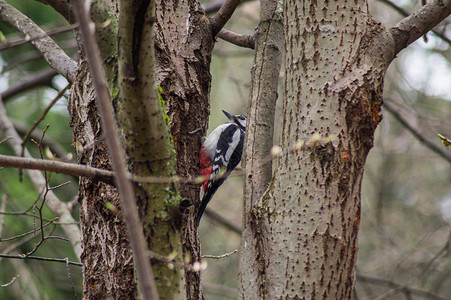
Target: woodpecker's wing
(229, 149)
(228, 155)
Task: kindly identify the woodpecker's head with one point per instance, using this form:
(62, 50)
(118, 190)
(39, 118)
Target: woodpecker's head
(238, 119)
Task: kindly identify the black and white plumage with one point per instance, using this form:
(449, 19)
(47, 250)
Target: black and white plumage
(221, 150)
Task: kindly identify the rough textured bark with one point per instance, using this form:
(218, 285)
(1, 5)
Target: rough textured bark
(183, 52)
(183, 60)
(150, 152)
(107, 259)
(304, 228)
(260, 129)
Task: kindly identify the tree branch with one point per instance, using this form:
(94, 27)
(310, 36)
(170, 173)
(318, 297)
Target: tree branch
(210, 8)
(127, 195)
(57, 167)
(58, 207)
(405, 13)
(242, 40)
(419, 23)
(43, 78)
(55, 147)
(221, 220)
(223, 15)
(386, 282)
(416, 134)
(63, 260)
(54, 55)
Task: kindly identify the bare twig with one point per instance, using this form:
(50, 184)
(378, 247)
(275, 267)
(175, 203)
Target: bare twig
(43, 197)
(41, 117)
(224, 222)
(43, 78)
(54, 55)
(242, 40)
(54, 147)
(223, 15)
(11, 282)
(58, 207)
(220, 256)
(70, 277)
(128, 202)
(61, 260)
(214, 7)
(397, 286)
(20, 42)
(27, 233)
(172, 262)
(416, 134)
(2, 209)
(57, 167)
(405, 13)
(419, 23)
(108, 176)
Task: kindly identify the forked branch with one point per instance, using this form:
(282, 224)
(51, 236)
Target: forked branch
(52, 53)
(223, 15)
(419, 23)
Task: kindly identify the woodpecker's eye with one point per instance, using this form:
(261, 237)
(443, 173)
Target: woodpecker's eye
(242, 118)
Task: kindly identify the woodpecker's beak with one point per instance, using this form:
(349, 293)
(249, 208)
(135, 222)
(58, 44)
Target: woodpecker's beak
(230, 116)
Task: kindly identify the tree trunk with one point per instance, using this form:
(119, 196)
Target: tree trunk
(302, 233)
(107, 259)
(184, 43)
(182, 63)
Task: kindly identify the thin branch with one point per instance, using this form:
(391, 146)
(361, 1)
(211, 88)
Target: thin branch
(55, 147)
(34, 54)
(58, 207)
(11, 282)
(242, 40)
(108, 176)
(210, 8)
(438, 150)
(54, 55)
(43, 78)
(42, 116)
(70, 278)
(61, 260)
(20, 42)
(57, 167)
(27, 233)
(405, 13)
(224, 222)
(419, 23)
(220, 256)
(394, 285)
(223, 15)
(127, 195)
(2, 209)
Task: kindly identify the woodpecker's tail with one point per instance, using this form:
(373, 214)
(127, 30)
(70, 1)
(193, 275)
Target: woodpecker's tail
(210, 191)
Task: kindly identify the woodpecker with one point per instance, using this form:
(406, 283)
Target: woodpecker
(221, 151)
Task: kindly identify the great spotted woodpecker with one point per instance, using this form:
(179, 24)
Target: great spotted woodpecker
(221, 151)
